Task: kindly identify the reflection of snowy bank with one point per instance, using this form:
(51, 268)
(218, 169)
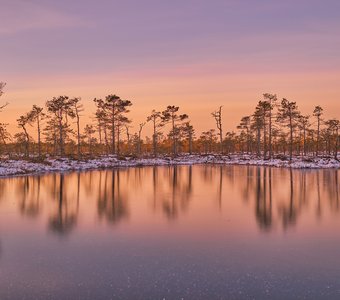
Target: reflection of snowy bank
(20, 167)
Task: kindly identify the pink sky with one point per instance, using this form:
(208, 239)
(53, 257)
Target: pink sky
(193, 54)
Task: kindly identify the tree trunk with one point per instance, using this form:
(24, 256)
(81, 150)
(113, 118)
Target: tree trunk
(173, 137)
(264, 137)
(304, 142)
(154, 139)
(118, 139)
(270, 132)
(39, 137)
(27, 154)
(336, 144)
(78, 137)
(258, 141)
(291, 138)
(113, 132)
(61, 137)
(106, 141)
(318, 138)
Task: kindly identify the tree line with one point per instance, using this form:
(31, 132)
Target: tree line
(276, 128)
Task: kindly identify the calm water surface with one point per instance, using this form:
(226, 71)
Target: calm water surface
(200, 232)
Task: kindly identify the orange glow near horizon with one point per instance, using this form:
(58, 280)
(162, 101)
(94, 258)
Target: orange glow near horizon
(196, 94)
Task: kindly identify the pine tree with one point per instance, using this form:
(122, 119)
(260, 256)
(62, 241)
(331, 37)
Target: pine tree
(318, 112)
(171, 115)
(61, 108)
(245, 124)
(77, 108)
(37, 115)
(288, 112)
(157, 123)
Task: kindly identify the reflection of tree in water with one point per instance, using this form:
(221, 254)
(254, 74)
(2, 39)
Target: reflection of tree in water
(217, 175)
(112, 202)
(263, 198)
(88, 182)
(288, 195)
(303, 187)
(208, 173)
(279, 196)
(64, 218)
(250, 184)
(28, 189)
(330, 178)
(3, 184)
(174, 191)
(289, 212)
(318, 208)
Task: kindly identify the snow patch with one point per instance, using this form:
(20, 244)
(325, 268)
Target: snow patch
(21, 167)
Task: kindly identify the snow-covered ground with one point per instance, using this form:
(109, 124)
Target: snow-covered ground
(21, 167)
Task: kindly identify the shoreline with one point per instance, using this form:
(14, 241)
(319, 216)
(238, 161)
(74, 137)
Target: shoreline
(12, 168)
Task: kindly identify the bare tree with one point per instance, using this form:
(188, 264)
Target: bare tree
(218, 119)
(141, 125)
(77, 109)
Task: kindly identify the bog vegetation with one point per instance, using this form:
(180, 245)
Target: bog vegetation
(276, 128)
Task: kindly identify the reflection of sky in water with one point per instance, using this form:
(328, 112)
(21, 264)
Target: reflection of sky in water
(191, 232)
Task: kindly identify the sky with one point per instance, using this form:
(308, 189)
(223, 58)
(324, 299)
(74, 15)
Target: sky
(196, 54)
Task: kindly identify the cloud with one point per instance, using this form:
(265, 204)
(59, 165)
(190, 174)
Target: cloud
(20, 16)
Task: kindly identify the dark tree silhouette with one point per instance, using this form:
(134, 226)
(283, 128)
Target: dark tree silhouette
(37, 115)
(318, 112)
(77, 108)
(61, 108)
(218, 119)
(157, 123)
(171, 115)
(245, 124)
(271, 101)
(189, 133)
(115, 109)
(288, 113)
(23, 121)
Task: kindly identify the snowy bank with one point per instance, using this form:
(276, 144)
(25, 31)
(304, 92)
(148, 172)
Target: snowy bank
(21, 167)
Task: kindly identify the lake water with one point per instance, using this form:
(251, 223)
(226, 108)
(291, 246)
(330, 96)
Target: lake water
(186, 232)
